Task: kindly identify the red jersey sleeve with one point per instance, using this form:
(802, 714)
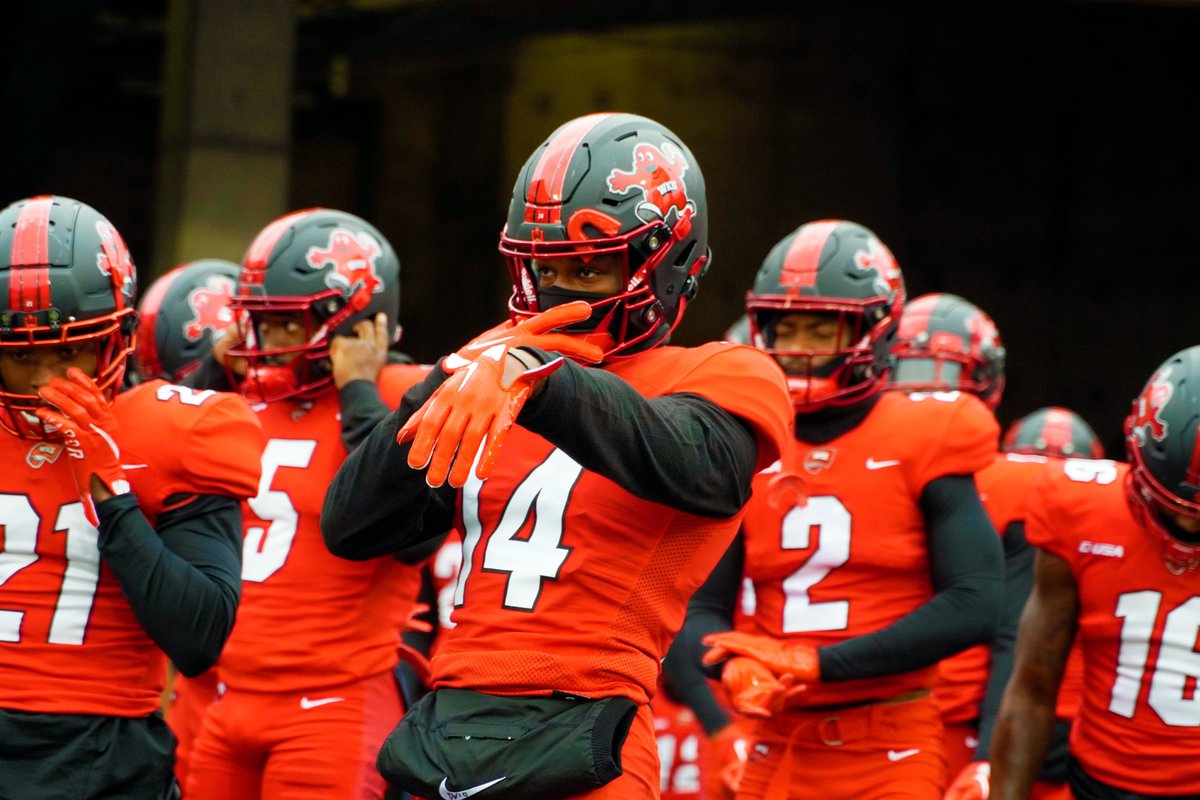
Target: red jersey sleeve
(962, 436)
(396, 379)
(747, 383)
(1049, 522)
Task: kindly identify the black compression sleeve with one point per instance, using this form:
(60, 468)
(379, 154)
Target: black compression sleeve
(377, 504)
(1018, 583)
(182, 581)
(710, 611)
(680, 450)
(362, 408)
(968, 582)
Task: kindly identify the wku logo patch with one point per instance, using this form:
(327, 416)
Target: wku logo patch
(210, 308)
(42, 453)
(657, 173)
(113, 259)
(1147, 411)
(352, 256)
(877, 257)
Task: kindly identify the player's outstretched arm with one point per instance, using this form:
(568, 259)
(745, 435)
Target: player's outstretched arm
(1025, 724)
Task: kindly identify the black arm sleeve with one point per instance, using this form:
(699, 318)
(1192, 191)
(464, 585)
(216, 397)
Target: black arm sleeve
(362, 408)
(377, 504)
(710, 611)
(680, 450)
(968, 582)
(1018, 583)
(182, 581)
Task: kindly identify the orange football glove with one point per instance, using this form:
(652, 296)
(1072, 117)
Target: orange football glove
(532, 332)
(973, 783)
(88, 429)
(781, 657)
(725, 761)
(469, 415)
(754, 690)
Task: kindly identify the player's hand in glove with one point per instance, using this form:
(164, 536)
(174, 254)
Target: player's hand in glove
(480, 401)
(89, 433)
(780, 656)
(727, 751)
(973, 783)
(533, 332)
(754, 690)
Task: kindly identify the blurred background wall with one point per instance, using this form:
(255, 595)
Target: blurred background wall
(1040, 160)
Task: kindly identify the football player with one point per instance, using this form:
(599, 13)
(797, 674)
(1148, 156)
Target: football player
(870, 553)
(308, 686)
(120, 512)
(1119, 545)
(1053, 431)
(947, 344)
(180, 315)
(590, 521)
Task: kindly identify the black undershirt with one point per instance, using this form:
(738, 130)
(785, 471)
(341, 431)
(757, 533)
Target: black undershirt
(183, 579)
(680, 450)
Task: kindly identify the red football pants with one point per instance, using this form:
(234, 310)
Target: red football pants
(283, 746)
(189, 698)
(961, 740)
(884, 751)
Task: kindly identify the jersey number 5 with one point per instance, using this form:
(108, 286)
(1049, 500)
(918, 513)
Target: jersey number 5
(265, 550)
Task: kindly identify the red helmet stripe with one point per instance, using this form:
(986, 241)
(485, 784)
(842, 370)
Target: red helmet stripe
(804, 256)
(1056, 430)
(264, 244)
(29, 286)
(543, 203)
(915, 319)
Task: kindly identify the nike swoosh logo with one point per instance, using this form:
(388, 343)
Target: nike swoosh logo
(324, 701)
(900, 755)
(134, 466)
(449, 794)
(484, 346)
(873, 464)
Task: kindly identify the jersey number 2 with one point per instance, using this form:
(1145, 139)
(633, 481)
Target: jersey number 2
(830, 520)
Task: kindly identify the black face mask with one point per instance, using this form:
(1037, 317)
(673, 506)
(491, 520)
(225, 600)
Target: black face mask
(552, 296)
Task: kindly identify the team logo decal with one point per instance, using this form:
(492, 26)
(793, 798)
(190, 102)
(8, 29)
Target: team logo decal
(113, 259)
(880, 259)
(42, 453)
(658, 174)
(817, 460)
(353, 256)
(210, 307)
(1147, 411)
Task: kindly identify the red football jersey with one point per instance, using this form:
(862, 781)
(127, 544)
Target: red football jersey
(309, 620)
(834, 534)
(1003, 486)
(962, 679)
(1139, 725)
(69, 642)
(574, 584)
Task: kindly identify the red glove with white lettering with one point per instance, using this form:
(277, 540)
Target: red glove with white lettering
(754, 690)
(88, 428)
(781, 657)
(469, 415)
(973, 783)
